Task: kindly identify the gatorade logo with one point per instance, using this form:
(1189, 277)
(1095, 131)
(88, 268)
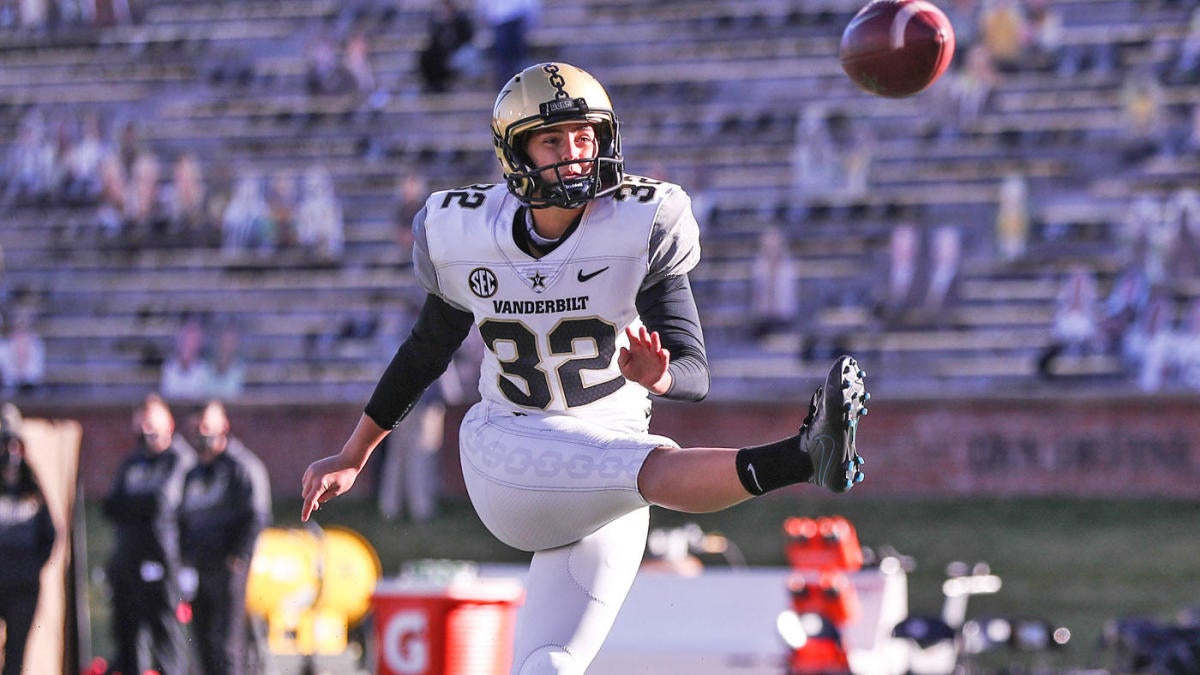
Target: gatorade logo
(406, 643)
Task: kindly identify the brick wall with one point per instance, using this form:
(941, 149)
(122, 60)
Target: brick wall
(1096, 446)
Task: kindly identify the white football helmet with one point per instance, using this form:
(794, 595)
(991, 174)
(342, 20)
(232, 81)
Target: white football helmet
(543, 96)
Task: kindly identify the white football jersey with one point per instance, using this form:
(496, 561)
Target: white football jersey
(553, 326)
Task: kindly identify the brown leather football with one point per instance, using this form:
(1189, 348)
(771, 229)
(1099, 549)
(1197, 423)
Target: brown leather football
(896, 48)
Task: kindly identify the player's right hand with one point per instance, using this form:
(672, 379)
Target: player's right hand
(323, 480)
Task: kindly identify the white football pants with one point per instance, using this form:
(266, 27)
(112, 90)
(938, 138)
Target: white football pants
(566, 489)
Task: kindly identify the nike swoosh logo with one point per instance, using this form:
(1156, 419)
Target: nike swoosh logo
(584, 277)
(754, 476)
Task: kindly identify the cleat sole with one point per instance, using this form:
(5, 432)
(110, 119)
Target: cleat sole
(830, 432)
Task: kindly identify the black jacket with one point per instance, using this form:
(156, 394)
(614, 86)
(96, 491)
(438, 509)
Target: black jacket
(143, 504)
(226, 503)
(26, 531)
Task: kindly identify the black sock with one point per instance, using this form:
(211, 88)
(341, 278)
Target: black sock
(763, 468)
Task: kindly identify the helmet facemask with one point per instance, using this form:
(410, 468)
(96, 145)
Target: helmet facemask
(525, 181)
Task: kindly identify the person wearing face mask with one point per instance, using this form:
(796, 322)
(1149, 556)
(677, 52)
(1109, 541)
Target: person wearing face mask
(26, 539)
(143, 505)
(226, 503)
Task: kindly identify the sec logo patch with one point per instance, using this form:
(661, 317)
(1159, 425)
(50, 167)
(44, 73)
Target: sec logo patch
(482, 282)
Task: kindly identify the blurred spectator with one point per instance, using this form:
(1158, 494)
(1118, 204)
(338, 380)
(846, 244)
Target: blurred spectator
(1045, 35)
(129, 144)
(185, 203)
(1181, 216)
(1142, 116)
(853, 145)
(22, 356)
(1185, 353)
(145, 219)
(1012, 218)
(941, 292)
(411, 192)
(219, 192)
(943, 120)
(1133, 237)
(61, 139)
(281, 208)
(31, 162)
(772, 285)
(226, 503)
(1184, 68)
(1075, 318)
(114, 189)
(26, 539)
(450, 32)
(510, 22)
(320, 230)
(245, 224)
(1004, 33)
(186, 374)
(831, 158)
(901, 281)
(228, 370)
(35, 14)
(356, 59)
(970, 88)
(326, 73)
(1075, 331)
(81, 166)
(1157, 237)
(816, 164)
(1182, 135)
(143, 573)
(1125, 304)
(1149, 341)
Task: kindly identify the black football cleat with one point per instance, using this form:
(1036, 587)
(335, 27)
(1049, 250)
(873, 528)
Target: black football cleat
(828, 432)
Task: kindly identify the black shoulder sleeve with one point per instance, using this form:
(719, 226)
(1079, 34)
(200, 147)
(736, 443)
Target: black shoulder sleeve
(436, 335)
(670, 308)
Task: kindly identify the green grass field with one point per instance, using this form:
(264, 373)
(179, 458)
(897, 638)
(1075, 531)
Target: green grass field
(1076, 562)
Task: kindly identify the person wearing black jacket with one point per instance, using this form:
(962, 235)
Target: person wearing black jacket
(450, 29)
(143, 505)
(226, 503)
(26, 539)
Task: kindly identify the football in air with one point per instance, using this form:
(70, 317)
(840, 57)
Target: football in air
(896, 48)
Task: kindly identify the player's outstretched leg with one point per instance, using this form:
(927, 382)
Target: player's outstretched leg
(829, 430)
(823, 452)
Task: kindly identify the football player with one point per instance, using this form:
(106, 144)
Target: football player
(576, 276)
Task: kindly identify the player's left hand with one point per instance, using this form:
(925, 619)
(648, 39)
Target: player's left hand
(645, 360)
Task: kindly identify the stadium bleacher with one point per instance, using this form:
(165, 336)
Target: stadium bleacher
(226, 81)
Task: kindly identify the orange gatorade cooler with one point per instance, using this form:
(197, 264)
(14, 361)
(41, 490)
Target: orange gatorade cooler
(463, 626)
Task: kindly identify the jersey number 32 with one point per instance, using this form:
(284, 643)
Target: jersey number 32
(526, 360)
